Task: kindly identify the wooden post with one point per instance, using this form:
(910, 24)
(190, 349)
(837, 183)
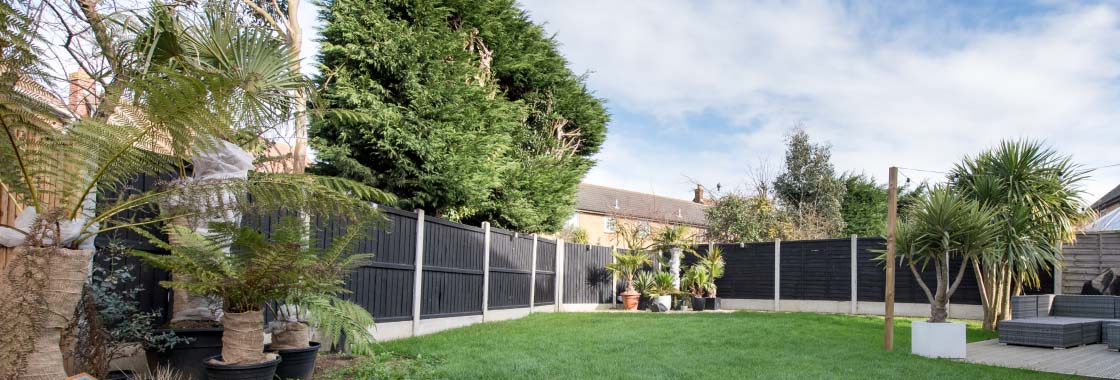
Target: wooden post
(854, 275)
(418, 277)
(485, 271)
(777, 274)
(892, 221)
(533, 277)
(558, 272)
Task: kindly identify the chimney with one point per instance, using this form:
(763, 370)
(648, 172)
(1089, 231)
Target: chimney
(698, 195)
(81, 99)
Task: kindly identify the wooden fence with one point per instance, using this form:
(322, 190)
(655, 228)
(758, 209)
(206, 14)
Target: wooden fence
(1091, 254)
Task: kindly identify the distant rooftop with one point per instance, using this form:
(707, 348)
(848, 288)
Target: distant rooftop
(1113, 197)
(641, 206)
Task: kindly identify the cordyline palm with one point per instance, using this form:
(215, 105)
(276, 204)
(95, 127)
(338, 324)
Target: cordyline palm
(1037, 198)
(944, 225)
(711, 261)
(626, 264)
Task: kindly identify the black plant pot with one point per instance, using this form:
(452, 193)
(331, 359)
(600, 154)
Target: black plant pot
(298, 363)
(711, 303)
(121, 375)
(184, 357)
(258, 371)
(697, 304)
(678, 303)
(644, 303)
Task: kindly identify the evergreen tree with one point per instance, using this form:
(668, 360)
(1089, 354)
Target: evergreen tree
(809, 188)
(737, 218)
(462, 108)
(864, 207)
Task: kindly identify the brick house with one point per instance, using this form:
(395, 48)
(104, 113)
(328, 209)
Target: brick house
(600, 209)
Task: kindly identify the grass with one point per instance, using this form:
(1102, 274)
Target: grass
(669, 346)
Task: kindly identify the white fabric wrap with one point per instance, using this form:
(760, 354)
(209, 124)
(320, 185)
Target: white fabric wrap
(69, 230)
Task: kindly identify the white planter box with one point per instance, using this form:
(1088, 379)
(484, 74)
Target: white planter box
(665, 300)
(938, 340)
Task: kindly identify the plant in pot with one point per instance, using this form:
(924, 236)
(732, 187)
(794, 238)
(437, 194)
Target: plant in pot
(663, 289)
(644, 284)
(712, 262)
(255, 271)
(676, 240)
(315, 303)
(698, 281)
(110, 324)
(625, 265)
(941, 226)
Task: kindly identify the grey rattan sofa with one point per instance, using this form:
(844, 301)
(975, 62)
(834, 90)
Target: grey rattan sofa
(1059, 321)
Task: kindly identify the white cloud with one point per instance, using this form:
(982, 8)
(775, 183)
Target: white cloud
(884, 88)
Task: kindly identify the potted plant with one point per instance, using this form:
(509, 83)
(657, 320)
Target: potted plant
(644, 284)
(941, 226)
(697, 280)
(676, 240)
(245, 278)
(712, 262)
(663, 289)
(316, 303)
(625, 265)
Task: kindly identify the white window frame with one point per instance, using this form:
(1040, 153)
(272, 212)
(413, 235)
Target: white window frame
(610, 225)
(644, 229)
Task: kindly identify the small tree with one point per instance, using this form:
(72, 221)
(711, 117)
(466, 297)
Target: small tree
(809, 188)
(626, 264)
(712, 262)
(676, 240)
(944, 225)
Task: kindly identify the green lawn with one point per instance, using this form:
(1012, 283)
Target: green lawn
(670, 346)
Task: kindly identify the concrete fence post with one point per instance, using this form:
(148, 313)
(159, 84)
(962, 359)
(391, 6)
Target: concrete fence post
(854, 275)
(1058, 272)
(485, 271)
(558, 272)
(533, 277)
(614, 281)
(777, 274)
(418, 277)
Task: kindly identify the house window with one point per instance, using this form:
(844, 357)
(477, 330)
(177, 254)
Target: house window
(644, 229)
(610, 225)
(573, 221)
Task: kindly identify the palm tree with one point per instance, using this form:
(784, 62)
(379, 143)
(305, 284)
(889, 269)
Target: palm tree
(944, 225)
(626, 264)
(179, 90)
(1037, 197)
(675, 239)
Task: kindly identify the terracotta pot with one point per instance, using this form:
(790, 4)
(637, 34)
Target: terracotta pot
(630, 299)
(65, 272)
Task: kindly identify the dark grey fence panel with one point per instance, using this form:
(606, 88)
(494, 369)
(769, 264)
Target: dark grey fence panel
(453, 261)
(544, 290)
(816, 270)
(585, 278)
(511, 263)
(749, 271)
(384, 285)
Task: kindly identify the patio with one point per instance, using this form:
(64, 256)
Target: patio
(1094, 360)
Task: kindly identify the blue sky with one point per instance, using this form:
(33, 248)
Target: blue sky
(706, 91)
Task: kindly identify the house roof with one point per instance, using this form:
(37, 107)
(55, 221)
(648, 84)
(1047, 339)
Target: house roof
(641, 206)
(1113, 197)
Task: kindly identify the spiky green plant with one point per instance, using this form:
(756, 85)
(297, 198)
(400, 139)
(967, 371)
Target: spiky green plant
(945, 225)
(645, 283)
(626, 264)
(698, 281)
(1036, 194)
(663, 284)
(711, 261)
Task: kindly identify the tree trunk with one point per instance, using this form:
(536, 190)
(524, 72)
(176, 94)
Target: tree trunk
(56, 274)
(243, 338)
(675, 266)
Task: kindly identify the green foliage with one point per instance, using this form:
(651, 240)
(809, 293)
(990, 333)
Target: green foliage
(1037, 196)
(740, 218)
(673, 236)
(662, 284)
(864, 207)
(462, 108)
(941, 226)
(193, 80)
(809, 188)
(383, 365)
(626, 264)
(576, 235)
(698, 281)
(645, 283)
